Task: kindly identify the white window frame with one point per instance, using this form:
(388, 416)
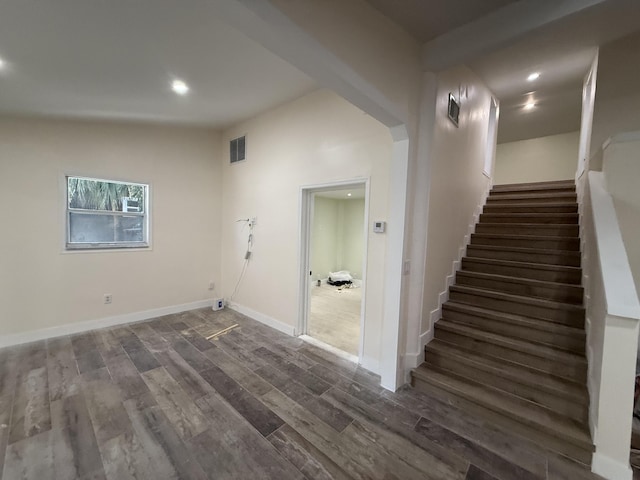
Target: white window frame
(145, 214)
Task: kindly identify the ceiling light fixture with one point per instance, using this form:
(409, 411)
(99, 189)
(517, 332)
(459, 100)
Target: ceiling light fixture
(529, 106)
(179, 87)
(348, 194)
(533, 76)
(2, 64)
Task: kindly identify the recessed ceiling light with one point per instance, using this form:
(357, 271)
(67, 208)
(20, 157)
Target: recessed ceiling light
(179, 87)
(348, 194)
(529, 106)
(533, 76)
(2, 64)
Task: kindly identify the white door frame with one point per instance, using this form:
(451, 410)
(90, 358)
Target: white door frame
(306, 221)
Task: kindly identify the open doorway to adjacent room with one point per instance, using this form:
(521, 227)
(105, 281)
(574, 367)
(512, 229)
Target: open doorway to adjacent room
(335, 244)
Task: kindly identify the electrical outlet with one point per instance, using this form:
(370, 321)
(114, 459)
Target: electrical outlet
(108, 298)
(211, 285)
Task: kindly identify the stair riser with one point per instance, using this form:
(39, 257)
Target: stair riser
(573, 318)
(563, 406)
(565, 294)
(563, 342)
(532, 200)
(571, 244)
(561, 190)
(574, 277)
(555, 219)
(576, 373)
(506, 208)
(539, 230)
(545, 258)
(550, 442)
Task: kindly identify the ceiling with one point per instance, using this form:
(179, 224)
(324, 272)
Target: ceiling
(561, 51)
(428, 19)
(116, 60)
(355, 193)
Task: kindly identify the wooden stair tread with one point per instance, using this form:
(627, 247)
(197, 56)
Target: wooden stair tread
(521, 320)
(524, 206)
(534, 266)
(533, 251)
(511, 370)
(532, 215)
(533, 196)
(511, 236)
(531, 348)
(553, 184)
(505, 404)
(539, 302)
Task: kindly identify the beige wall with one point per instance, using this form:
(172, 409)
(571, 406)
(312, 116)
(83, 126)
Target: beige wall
(317, 139)
(617, 96)
(537, 160)
(43, 286)
(458, 186)
(337, 237)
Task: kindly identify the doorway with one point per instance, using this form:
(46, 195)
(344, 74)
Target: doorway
(334, 245)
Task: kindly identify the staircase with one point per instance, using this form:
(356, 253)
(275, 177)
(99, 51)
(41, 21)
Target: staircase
(510, 345)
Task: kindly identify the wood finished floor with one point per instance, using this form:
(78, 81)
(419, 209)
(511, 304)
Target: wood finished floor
(157, 400)
(335, 316)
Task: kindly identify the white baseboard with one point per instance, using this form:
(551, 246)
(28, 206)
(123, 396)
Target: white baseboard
(262, 318)
(79, 327)
(330, 348)
(610, 469)
(412, 360)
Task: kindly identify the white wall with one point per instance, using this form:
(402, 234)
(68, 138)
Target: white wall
(617, 96)
(41, 285)
(457, 188)
(538, 159)
(337, 236)
(316, 139)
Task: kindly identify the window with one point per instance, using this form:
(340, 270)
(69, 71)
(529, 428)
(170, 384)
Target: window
(106, 214)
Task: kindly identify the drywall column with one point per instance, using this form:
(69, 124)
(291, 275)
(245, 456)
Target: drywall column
(391, 369)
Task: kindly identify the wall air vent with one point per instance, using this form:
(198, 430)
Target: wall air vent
(237, 149)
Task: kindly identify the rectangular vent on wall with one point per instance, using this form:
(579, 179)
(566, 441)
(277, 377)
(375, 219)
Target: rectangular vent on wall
(237, 149)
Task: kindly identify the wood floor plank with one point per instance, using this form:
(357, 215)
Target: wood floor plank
(249, 447)
(62, 369)
(248, 406)
(104, 404)
(31, 413)
(188, 378)
(332, 416)
(75, 448)
(30, 458)
(124, 458)
(137, 352)
(125, 375)
(158, 429)
(304, 377)
(9, 371)
(443, 463)
(107, 344)
(315, 431)
(311, 462)
(475, 473)
(6, 403)
(476, 454)
(516, 450)
(86, 352)
(245, 377)
(181, 411)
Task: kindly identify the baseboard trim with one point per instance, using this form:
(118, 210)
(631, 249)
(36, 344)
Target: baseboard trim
(609, 468)
(80, 327)
(412, 360)
(330, 348)
(262, 318)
